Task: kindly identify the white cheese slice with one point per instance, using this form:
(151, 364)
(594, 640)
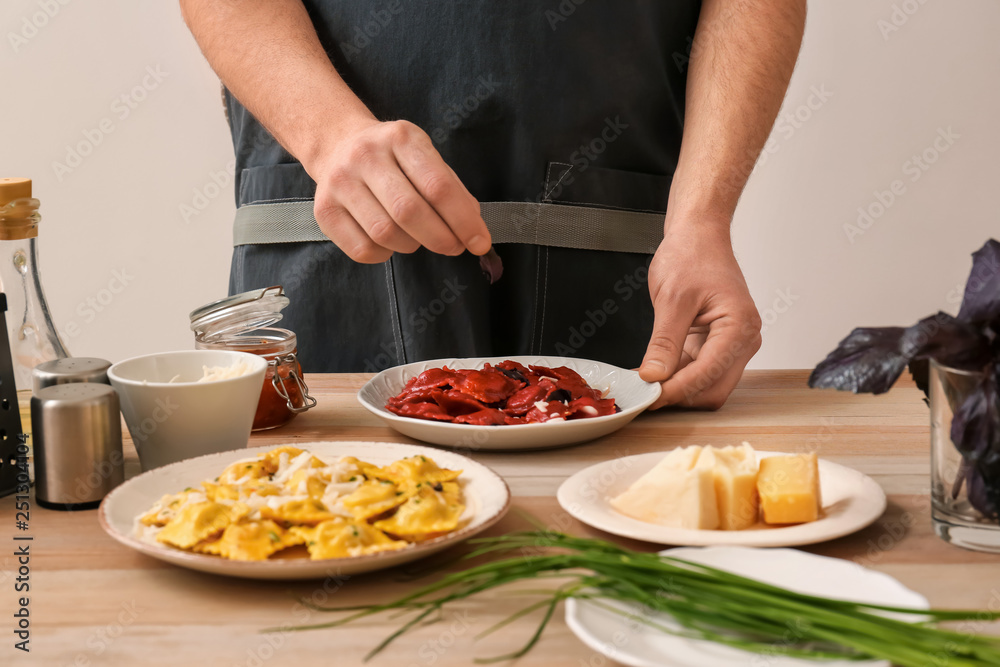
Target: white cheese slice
(286, 470)
(679, 492)
(736, 487)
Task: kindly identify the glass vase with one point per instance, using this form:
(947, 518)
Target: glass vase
(954, 517)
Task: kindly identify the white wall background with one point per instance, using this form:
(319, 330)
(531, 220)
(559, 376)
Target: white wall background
(892, 73)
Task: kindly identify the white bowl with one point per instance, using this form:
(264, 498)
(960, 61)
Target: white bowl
(173, 421)
(631, 393)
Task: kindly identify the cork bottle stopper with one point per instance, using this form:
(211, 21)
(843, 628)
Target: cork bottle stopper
(19, 221)
(14, 188)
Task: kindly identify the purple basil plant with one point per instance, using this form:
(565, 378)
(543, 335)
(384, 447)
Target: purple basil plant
(870, 360)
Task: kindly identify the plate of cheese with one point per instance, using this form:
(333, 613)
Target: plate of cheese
(701, 496)
(306, 510)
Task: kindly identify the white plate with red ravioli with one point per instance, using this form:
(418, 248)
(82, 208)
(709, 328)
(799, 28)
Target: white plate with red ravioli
(850, 501)
(445, 385)
(485, 496)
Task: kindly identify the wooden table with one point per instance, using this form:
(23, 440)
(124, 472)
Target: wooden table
(94, 602)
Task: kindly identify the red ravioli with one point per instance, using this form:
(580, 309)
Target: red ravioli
(514, 368)
(553, 410)
(433, 378)
(484, 417)
(570, 380)
(455, 402)
(507, 393)
(414, 396)
(581, 408)
(524, 399)
(488, 386)
(420, 411)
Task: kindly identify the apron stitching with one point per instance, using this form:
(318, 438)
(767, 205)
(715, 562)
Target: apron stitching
(545, 295)
(534, 317)
(240, 281)
(394, 313)
(548, 177)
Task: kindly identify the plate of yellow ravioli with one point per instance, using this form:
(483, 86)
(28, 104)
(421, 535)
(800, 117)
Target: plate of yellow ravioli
(306, 510)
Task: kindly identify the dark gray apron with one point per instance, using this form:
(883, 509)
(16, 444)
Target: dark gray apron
(546, 105)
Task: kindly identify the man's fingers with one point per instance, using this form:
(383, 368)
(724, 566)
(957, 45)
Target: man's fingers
(369, 213)
(338, 224)
(409, 210)
(670, 329)
(709, 379)
(442, 189)
(715, 396)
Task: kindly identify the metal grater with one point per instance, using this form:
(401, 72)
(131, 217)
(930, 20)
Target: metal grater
(11, 434)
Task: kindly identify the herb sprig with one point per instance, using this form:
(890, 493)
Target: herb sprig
(706, 602)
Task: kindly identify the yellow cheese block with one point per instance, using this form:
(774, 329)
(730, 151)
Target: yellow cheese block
(789, 488)
(736, 487)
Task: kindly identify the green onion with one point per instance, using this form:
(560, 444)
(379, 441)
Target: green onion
(707, 603)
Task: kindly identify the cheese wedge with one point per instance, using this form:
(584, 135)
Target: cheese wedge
(789, 488)
(678, 492)
(736, 487)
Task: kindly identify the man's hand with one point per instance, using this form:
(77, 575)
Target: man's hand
(383, 188)
(380, 187)
(706, 327)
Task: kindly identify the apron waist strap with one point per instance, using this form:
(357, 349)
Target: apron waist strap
(581, 227)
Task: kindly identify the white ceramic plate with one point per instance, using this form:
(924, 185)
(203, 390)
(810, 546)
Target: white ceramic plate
(632, 394)
(486, 494)
(629, 642)
(851, 501)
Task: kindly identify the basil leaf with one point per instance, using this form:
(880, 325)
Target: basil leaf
(981, 302)
(868, 361)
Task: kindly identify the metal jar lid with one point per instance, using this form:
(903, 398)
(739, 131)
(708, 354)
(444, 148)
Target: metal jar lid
(239, 313)
(68, 370)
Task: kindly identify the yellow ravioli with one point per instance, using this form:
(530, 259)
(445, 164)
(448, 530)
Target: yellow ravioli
(272, 459)
(369, 470)
(341, 538)
(416, 469)
(298, 511)
(424, 515)
(200, 521)
(253, 540)
(164, 510)
(315, 486)
(374, 497)
(217, 492)
(242, 470)
(451, 490)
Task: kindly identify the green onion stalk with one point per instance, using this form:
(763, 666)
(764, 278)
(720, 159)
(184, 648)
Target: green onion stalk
(704, 602)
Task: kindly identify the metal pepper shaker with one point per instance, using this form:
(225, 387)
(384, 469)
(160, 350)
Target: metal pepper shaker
(78, 444)
(70, 369)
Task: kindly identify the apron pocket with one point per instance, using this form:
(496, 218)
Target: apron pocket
(277, 182)
(601, 187)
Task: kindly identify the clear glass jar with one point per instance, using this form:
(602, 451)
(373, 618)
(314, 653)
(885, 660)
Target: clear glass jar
(241, 323)
(954, 518)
